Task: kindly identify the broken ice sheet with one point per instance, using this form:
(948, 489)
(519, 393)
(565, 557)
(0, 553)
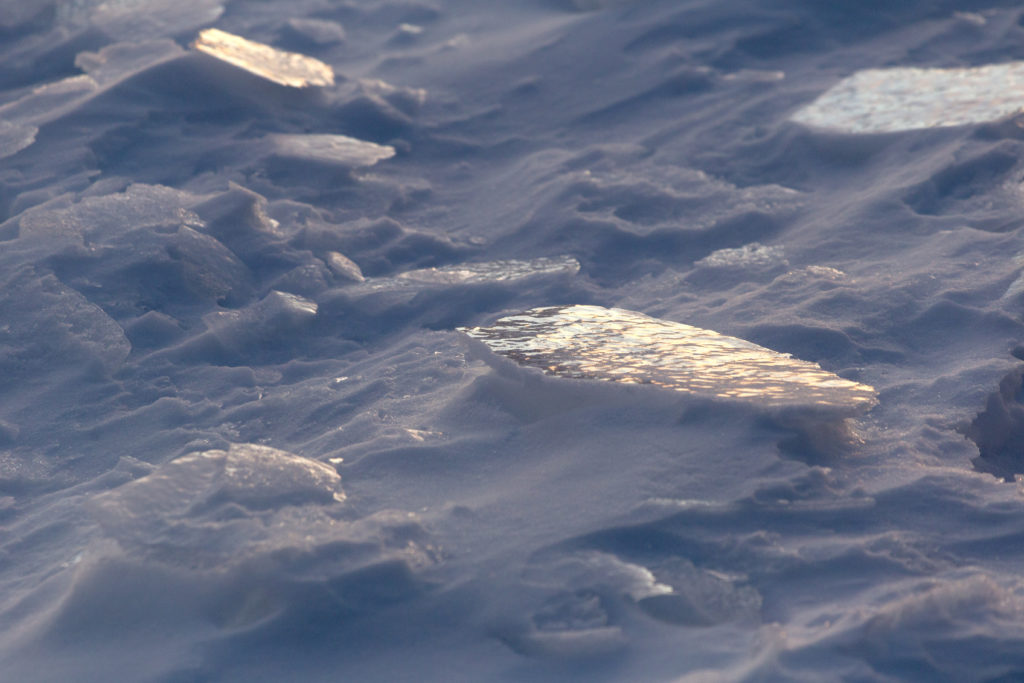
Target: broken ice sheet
(753, 255)
(284, 68)
(907, 98)
(137, 19)
(505, 270)
(338, 150)
(616, 345)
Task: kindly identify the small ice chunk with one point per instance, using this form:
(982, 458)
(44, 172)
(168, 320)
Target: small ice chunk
(506, 270)
(616, 345)
(272, 318)
(483, 273)
(15, 137)
(908, 98)
(749, 256)
(284, 68)
(344, 267)
(169, 506)
(331, 149)
(253, 476)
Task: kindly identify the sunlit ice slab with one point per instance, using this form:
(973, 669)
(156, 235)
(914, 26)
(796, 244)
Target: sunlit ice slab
(900, 99)
(336, 150)
(284, 68)
(625, 347)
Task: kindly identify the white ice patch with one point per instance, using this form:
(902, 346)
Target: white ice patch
(284, 68)
(98, 219)
(750, 256)
(488, 272)
(344, 267)
(907, 98)
(338, 150)
(616, 345)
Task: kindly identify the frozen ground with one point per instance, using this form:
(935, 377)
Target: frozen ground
(241, 438)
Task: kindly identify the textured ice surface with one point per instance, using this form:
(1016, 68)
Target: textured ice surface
(488, 272)
(493, 271)
(748, 256)
(331, 149)
(285, 68)
(185, 288)
(616, 345)
(134, 19)
(907, 98)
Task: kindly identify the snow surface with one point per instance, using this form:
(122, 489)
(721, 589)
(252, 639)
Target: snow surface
(241, 438)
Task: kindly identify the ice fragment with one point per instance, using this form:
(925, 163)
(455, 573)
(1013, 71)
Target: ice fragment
(331, 149)
(616, 345)
(907, 98)
(285, 68)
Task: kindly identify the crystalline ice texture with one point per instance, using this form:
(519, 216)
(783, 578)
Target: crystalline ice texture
(892, 100)
(492, 271)
(285, 68)
(332, 149)
(616, 345)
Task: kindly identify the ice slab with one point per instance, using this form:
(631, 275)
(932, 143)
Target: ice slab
(46, 324)
(20, 119)
(907, 98)
(749, 256)
(190, 509)
(338, 150)
(616, 345)
(139, 18)
(505, 270)
(487, 272)
(284, 68)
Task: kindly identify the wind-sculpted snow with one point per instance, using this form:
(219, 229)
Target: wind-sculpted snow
(240, 439)
(897, 99)
(616, 345)
(284, 68)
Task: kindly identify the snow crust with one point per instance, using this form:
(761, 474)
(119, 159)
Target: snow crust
(243, 439)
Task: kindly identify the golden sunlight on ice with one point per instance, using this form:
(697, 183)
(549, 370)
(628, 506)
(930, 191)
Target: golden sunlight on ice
(616, 345)
(285, 68)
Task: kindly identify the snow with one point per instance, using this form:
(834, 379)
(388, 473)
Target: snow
(242, 437)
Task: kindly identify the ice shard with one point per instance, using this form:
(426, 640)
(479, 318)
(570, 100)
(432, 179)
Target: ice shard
(337, 150)
(505, 270)
(616, 345)
(907, 98)
(284, 68)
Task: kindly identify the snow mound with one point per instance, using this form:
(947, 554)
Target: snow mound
(284, 68)
(616, 345)
(893, 100)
